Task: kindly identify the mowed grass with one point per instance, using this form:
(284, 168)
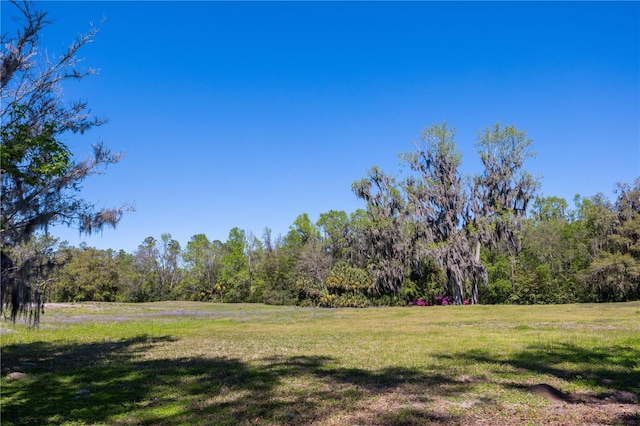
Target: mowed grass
(180, 363)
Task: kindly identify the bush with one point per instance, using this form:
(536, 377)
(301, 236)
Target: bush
(346, 278)
(356, 300)
(497, 292)
(310, 291)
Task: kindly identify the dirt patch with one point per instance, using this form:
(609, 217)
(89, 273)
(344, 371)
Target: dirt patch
(551, 393)
(66, 305)
(16, 376)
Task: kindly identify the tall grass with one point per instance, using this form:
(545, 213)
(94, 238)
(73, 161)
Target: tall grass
(197, 363)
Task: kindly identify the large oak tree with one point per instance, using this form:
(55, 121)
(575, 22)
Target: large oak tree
(433, 215)
(40, 177)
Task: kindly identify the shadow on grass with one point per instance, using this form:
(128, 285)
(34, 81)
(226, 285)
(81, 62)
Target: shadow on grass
(120, 383)
(615, 368)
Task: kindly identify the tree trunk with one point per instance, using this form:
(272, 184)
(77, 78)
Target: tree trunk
(456, 285)
(474, 288)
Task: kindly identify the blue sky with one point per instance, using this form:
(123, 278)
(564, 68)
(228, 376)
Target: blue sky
(248, 114)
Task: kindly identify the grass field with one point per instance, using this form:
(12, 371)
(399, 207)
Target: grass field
(179, 363)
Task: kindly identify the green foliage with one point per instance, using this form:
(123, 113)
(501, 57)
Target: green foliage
(538, 288)
(311, 291)
(546, 209)
(499, 289)
(146, 275)
(130, 286)
(300, 232)
(279, 293)
(277, 272)
(614, 277)
(201, 269)
(335, 226)
(346, 286)
(233, 284)
(345, 300)
(33, 158)
(89, 275)
(344, 278)
(354, 300)
(497, 292)
(425, 282)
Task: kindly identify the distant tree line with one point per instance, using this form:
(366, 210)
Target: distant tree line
(426, 236)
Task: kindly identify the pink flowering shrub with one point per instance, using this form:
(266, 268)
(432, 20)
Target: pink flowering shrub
(420, 302)
(442, 300)
(437, 300)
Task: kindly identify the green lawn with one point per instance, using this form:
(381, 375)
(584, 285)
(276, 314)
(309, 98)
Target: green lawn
(197, 363)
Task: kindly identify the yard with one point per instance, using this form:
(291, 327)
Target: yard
(181, 363)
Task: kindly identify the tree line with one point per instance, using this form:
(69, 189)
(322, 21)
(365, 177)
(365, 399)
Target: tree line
(588, 253)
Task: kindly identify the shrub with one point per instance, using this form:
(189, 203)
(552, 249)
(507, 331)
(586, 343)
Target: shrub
(346, 278)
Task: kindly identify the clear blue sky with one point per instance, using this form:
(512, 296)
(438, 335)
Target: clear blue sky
(249, 114)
